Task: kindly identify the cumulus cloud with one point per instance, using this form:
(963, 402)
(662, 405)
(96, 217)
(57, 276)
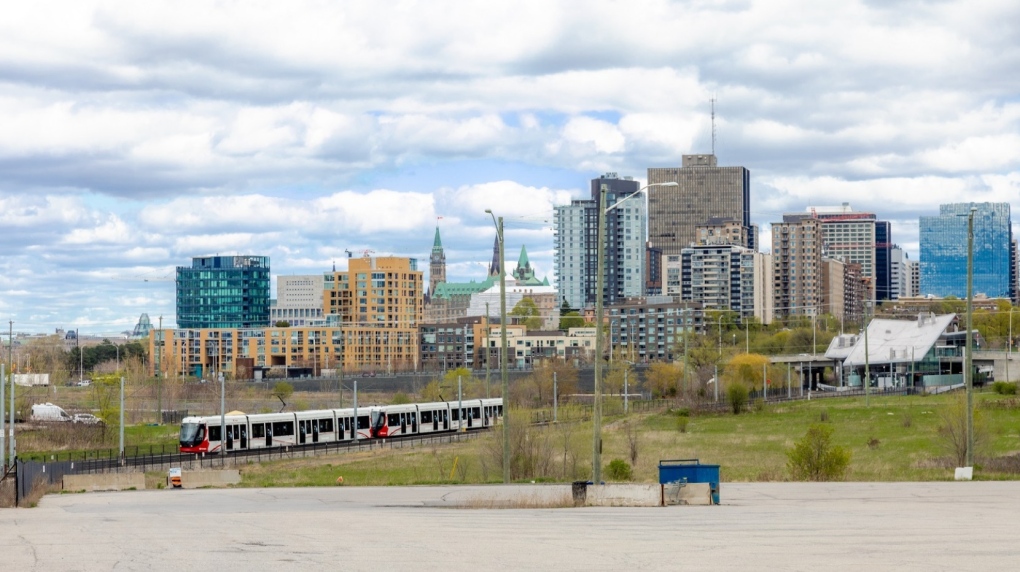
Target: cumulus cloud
(138, 135)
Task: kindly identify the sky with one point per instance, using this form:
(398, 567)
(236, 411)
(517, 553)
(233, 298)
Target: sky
(137, 135)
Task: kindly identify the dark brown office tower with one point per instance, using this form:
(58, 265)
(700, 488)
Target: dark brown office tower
(705, 191)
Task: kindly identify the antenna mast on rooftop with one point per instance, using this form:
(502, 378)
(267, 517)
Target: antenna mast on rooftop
(712, 101)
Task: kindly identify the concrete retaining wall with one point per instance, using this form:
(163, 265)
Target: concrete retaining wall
(104, 482)
(622, 495)
(201, 479)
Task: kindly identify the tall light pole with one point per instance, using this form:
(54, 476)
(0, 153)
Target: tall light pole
(968, 373)
(502, 354)
(600, 253)
(1009, 342)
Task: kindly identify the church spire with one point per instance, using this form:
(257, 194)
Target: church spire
(494, 265)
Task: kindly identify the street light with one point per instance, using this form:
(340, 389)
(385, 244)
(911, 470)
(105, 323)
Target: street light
(968, 374)
(502, 354)
(596, 458)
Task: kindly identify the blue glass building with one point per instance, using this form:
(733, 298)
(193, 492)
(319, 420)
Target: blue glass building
(223, 292)
(944, 251)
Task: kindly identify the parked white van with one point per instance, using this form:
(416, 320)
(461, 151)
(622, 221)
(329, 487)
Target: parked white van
(49, 412)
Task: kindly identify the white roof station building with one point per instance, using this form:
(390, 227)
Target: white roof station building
(923, 353)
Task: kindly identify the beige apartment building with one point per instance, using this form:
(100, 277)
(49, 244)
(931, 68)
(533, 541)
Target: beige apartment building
(380, 304)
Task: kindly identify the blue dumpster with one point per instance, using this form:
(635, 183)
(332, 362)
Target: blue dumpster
(690, 471)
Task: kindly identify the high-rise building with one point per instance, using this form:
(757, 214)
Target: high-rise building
(718, 276)
(624, 254)
(223, 292)
(899, 265)
(380, 304)
(796, 261)
(856, 238)
(944, 241)
(298, 300)
(705, 191)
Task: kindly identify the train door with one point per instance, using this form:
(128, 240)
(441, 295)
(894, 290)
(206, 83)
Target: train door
(302, 431)
(354, 427)
(230, 437)
(269, 434)
(242, 432)
(403, 423)
(414, 421)
(435, 421)
(470, 412)
(446, 420)
(315, 431)
(485, 416)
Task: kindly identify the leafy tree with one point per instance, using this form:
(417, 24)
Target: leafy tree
(282, 324)
(814, 458)
(528, 310)
(540, 383)
(663, 379)
(571, 320)
(282, 390)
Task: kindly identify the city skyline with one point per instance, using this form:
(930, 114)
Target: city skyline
(139, 137)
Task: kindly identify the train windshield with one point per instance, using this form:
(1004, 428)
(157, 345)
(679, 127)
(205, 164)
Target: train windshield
(378, 419)
(192, 434)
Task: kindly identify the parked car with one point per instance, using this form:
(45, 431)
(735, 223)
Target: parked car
(87, 419)
(84, 383)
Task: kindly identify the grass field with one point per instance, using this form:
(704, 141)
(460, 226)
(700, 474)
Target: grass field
(893, 439)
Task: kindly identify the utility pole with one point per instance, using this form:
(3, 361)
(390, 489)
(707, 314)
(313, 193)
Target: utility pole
(867, 360)
(968, 361)
(10, 441)
(3, 378)
(555, 397)
(488, 355)
(159, 374)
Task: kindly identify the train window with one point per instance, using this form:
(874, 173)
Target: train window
(214, 432)
(282, 428)
(258, 430)
(455, 415)
(393, 419)
(476, 413)
(363, 422)
(325, 425)
(426, 417)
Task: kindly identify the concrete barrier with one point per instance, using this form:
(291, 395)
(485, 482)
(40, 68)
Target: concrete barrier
(104, 482)
(623, 495)
(201, 479)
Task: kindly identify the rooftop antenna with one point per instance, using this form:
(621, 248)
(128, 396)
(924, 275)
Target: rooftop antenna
(712, 101)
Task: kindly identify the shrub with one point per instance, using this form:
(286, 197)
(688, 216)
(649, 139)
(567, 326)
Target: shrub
(908, 420)
(681, 424)
(814, 458)
(737, 395)
(952, 430)
(618, 470)
(1004, 388)
(824, 416)
(873, 443)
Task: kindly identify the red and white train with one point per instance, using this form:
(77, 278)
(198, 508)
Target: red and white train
(266, 430)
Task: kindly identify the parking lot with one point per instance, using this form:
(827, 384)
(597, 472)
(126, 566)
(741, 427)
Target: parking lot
(790, 526)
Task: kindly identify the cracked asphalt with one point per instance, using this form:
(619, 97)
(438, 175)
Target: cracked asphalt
(785, 526)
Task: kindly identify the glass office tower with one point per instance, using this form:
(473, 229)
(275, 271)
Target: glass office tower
(944, 251)
(223, 292)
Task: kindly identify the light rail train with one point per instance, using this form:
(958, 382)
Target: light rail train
(271, 430)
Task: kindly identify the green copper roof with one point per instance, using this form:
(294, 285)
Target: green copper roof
(523, 260)
(447, 290)
(437, 244)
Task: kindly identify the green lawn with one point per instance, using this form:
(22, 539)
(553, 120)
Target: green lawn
(902, 432)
